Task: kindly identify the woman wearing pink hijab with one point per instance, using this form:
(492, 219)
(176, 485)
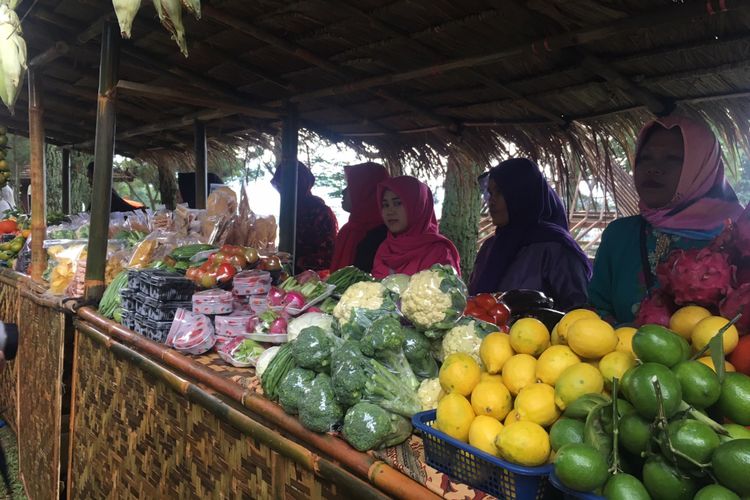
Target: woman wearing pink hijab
(685, 202)
(413, 242)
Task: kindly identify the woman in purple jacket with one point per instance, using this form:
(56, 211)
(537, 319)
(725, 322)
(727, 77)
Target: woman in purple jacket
(532, 248)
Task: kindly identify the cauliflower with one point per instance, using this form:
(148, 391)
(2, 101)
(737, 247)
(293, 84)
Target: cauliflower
(299, 323)
(429, 393)
(464, 337)
(360, 306)
(435, 298)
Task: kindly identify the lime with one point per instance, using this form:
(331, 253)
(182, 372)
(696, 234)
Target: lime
(692, 439)
(624, 408)
(566, 431)
(687, 351)
(625, 487)
(641, 391)
(656, 344)
(581, 467)
(625, 381)
(731, 463)
(734, 401)
(635, 433)
(664, 482)
(715, 492)
(737, 431)
(700, 385)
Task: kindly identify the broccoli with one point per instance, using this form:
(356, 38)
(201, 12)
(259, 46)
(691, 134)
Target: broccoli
(418, 351)
(383, 341)
(369, 427)
(371, 381)
(348, 374)
(294, 388)
(319, 411)
(312, 349)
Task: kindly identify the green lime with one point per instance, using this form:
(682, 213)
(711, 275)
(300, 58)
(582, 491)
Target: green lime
(625, 487)
(731, 465)
(656, 344)
(734, 401)
(700, 384)
(642, 392)
(737, 431)
(692, 439)
(624, 408)
(664, 482)
(566, 431)
(626, 381)
(687, 351)
(581, 467)
(715, 492)
(635, 433)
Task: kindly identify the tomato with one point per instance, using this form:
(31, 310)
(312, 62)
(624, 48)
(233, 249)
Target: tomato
(270, 263)
(225, 272)
(208, 281)
(500, 313)
(740, 357)
(504, 328)
(193, 273)
(232, 250)
(486, 301)
(472, 309)
(485, 317)
(251, 255)
(237, 260)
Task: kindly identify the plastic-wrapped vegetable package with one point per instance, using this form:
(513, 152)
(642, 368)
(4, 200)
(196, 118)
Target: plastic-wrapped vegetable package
(434, 300)
(360, 305)
(240, 352)
(191, 333)
(63, 257)
(466, 337)
(294, 388)
(319, 411)
(369, 427)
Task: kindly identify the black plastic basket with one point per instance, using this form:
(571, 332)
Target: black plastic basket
(128, 300)
(158, 331)
(156, 310)
(165, 286)
(128, 319)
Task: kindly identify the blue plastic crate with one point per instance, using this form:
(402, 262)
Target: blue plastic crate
(478, 469)
(572, 494)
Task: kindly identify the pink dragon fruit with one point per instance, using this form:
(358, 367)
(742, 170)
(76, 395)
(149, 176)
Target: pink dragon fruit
(700, 276)
(664, 271)
(742, 234)
(743, 271)
(738, 301)
(655, 309)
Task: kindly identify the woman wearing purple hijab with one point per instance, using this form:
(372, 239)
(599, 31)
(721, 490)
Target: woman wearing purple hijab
(532, 248)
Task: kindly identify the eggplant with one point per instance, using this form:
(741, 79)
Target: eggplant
(519, 301)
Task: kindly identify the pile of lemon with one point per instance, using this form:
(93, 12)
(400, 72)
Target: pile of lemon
(527, 378)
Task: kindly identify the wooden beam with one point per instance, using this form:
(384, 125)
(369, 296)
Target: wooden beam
(288, 187)
(201, 165)
(57, 50)
(38, 178)
(185, 97)
(672, 14)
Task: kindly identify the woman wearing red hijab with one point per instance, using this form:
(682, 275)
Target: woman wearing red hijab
(413, 243)
(359, 239)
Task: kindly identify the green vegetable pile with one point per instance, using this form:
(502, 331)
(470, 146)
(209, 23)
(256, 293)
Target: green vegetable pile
(110, 305)
(346, 277)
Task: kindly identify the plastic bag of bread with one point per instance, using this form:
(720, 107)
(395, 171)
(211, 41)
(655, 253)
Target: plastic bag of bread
(221, 205)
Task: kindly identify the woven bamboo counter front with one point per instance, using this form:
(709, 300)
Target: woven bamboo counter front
(9, 302)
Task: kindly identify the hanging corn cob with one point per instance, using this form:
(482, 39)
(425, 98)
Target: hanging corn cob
(193, 6)
(12, 55)
(170, 14)
(126, 11)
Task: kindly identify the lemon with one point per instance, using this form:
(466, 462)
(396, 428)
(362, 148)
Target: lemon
(576, 381)
(625, 338)
(592, 362)
(569, 319)
(554, 336)
(615, 364)
(460, 374)
(524, 443)
(592, 338)
(518, 372)
(495, 351)
(529, 336)
(491, 399)
(553, 362)
(536, 402)
(483, 433)
(707, 328)
(454, 416)
(512, 417)
(684, 320)
(488, 377)
(706, 360)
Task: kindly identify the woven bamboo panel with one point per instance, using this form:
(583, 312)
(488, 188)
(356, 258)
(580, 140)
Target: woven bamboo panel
(8, 314)
(40, 365)
(134, 437)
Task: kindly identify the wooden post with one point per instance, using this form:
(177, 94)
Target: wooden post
(38, 177)
(201, 165)
(104, 146)
(66, 181)
(288, 188)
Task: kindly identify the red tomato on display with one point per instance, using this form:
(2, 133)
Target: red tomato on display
(740, 357)
(501, 313)
(486, 301)
(225, 272)
(473, 309)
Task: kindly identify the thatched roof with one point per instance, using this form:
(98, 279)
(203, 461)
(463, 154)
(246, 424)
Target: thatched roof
(568, 81)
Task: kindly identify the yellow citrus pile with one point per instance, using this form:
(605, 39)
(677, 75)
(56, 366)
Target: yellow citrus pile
(698, 326)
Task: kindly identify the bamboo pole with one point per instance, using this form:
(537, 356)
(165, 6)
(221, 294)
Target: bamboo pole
(106, 116)
(201, 165)
(366, 466)
(288, 188)
(66, 181)
(38, 177)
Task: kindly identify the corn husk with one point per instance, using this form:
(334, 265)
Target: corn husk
(126, 11)
(193, 6)
(170, 14)
(12, 56)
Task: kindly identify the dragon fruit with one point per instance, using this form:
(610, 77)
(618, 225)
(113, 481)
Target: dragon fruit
(738, 301)
(655, 309)
(743, 271)
(699, 276)
(664, 271)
